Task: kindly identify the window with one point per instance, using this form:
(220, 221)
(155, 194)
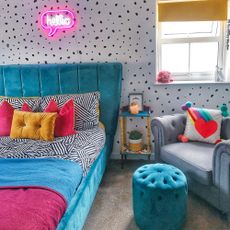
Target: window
(191, 42)
(192, 50)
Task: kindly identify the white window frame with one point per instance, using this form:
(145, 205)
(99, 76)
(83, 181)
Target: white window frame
(198, 76)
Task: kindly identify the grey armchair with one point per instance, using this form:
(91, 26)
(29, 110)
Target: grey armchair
(206, 166)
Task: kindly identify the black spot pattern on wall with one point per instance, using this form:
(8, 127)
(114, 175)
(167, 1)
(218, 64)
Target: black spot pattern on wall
(119, 30)
(107, 31)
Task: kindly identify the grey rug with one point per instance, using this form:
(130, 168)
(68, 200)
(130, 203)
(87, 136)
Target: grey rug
(112, 208)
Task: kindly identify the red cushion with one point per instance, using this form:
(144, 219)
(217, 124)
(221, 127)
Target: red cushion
(26, 107)
(64, 124)
(6, 116)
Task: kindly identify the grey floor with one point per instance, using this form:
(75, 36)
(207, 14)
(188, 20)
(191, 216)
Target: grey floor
(112, 208)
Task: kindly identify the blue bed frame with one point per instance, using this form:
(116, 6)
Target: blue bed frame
(53, 79)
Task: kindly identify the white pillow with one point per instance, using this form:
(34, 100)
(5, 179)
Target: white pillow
(203, 125)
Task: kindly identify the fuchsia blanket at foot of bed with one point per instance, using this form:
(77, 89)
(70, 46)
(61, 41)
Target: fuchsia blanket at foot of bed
(30, 209)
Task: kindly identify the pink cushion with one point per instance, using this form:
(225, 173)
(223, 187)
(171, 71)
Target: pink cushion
(6, 116)
(26, 107)
(64, 124)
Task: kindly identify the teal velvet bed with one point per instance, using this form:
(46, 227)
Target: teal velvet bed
(53, 79)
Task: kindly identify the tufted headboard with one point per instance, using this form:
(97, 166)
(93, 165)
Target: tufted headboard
(52, 79)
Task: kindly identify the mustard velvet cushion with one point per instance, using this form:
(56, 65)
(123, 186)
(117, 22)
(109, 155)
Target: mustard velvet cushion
(37, 126)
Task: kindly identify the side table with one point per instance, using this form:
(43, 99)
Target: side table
(124, 150)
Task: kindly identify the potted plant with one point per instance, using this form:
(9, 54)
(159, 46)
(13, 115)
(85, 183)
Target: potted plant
(135, 141)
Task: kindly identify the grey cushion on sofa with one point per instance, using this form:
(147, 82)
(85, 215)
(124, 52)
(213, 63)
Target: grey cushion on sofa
(194, 158)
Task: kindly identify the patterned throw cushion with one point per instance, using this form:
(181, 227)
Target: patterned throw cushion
(202, 124)
(17, 102)
(37, 126)
(85, 106)
(64, 124)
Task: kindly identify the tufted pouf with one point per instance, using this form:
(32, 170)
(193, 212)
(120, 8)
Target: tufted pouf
(159, 197)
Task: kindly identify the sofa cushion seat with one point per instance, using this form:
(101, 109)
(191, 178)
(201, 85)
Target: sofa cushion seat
(193, 158)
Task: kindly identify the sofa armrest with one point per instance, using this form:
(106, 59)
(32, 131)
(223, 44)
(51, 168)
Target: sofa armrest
(225, 128)
(221, 174)
(165, 130)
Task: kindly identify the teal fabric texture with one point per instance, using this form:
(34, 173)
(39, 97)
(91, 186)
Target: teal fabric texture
(58, 175)
(159, 197)
(76, 214)
(55, 79)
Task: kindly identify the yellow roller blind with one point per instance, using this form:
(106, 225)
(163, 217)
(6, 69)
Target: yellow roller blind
(192, 10)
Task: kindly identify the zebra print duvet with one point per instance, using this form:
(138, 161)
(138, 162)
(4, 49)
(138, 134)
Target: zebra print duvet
(82, 147)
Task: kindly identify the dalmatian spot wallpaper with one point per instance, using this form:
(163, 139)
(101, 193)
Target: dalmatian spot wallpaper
(112, 31)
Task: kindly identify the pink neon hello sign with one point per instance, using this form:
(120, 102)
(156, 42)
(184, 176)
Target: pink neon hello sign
(54, 20)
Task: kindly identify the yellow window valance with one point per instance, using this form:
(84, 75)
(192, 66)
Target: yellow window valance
(192, 10)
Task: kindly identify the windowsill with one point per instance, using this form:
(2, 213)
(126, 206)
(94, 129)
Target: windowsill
(190, 83)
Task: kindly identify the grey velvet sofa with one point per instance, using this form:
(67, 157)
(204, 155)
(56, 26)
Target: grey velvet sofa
(206, 166)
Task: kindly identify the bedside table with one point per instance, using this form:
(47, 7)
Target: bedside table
(124, 150)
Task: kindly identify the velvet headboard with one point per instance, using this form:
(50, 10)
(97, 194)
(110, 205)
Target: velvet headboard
(53, 79)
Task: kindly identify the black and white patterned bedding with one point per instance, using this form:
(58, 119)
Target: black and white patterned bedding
(82, 147)
(85, 108)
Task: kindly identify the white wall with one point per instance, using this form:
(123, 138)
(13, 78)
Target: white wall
(119, 30)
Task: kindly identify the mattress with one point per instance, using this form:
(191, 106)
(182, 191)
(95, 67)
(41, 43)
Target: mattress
(83, 147)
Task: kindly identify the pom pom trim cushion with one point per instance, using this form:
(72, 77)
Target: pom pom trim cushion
(203, 125)
(37, 126)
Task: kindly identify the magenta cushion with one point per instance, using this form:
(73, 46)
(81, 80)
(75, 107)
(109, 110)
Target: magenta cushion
(64, 124)
(26, 107)
(6, 116)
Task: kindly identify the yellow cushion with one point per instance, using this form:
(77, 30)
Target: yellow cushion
(37, 126)
(101, 125)
(98, 110)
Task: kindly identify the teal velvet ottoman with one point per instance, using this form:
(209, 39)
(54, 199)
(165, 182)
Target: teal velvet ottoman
(159, 197)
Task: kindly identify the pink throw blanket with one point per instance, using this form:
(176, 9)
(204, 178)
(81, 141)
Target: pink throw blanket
(30, 209)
